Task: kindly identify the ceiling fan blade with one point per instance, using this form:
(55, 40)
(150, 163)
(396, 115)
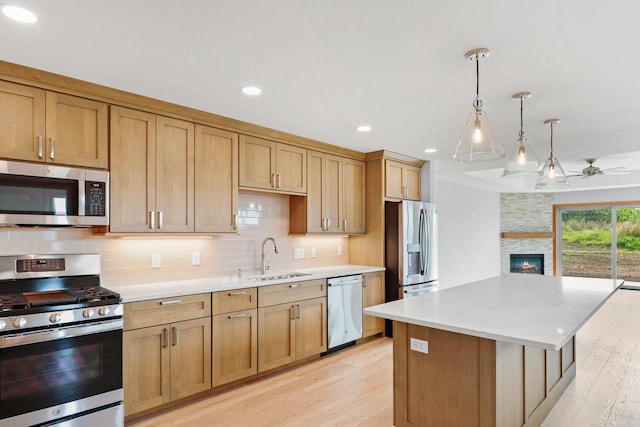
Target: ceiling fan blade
(577, 174)
(621, 170)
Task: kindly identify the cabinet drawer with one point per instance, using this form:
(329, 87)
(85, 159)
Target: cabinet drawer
(289, 292)
(166, 310)
(234, 300)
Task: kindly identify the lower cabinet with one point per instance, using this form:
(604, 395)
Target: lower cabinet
(168, 361)
(293, 329)
(235, 335)
(372, 294)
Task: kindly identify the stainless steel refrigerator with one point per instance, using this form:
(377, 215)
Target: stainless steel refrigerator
(411, 250)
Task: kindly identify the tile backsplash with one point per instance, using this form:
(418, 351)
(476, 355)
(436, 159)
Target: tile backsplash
(128, 261)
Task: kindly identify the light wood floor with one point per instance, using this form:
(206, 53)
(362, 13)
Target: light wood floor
(354, 387)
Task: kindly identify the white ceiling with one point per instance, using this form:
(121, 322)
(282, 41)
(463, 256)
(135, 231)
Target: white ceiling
(327, 66)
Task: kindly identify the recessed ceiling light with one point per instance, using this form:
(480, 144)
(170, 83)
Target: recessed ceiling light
(430, 150)
(251, 90)
(19, 14)
(364, 128)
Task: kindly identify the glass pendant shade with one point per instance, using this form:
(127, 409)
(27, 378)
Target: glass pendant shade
(552, 175)
(522, 162)
(476, 142)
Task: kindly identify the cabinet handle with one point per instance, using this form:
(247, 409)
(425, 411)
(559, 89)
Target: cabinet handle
(292, 312)
(235, 221)
(295, 285)
(273, 180)
(235, 294)
(40, 147)
(164, 337)
(174, 336)
(298, 311)
(328, 223)
(160, 222)
(279, 180)
(52, 153)
(235, 316)
(344, 224)
(152, 220)
(172, 302)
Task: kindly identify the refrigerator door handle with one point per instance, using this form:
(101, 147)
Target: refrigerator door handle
(422, 240)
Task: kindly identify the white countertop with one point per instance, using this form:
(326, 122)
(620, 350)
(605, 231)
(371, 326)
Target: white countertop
(131, 293)
(532, 310)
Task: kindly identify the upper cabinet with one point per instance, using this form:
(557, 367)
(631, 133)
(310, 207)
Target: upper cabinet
(45, 126)
(335, 197)
(402, 180)
(272, 166)
(152, 179)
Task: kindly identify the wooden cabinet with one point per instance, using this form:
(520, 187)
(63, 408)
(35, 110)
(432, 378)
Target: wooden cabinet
(45, 126)
(216, 180)
(335, 201)
(152, 178)
(272, 166)
(292, 322)
(166, 350)
(372, 294)
(402, 180)
(235, 335)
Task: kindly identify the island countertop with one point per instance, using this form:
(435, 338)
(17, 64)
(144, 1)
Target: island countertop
(532, 310)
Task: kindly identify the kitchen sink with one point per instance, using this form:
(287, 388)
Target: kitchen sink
(278, 277)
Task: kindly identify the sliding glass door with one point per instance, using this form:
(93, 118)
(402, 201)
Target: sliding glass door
(599, 242)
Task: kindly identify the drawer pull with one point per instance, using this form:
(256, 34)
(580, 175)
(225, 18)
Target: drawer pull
(172, 302)
(235, 316)
(295, 285)
(238, 293)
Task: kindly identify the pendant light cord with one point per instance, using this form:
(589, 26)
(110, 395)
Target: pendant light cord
(551, 124)
(521, 134)
(477, 103)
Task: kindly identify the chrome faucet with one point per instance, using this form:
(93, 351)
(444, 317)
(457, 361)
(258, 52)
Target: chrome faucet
(264, 262)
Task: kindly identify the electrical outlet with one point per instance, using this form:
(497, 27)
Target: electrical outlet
(339, 250)
(421, 346)
(298, 253)
(156, 261)
(313, 252)
(195, 258)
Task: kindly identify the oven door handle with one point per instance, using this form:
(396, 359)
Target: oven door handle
(31, 337)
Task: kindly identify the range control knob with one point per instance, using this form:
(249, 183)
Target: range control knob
(20, 322)
(3, 324)
(55, 318)
(103, 311)
(88, 313)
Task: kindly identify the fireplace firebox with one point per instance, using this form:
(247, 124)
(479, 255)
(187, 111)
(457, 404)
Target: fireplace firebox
(526, 263)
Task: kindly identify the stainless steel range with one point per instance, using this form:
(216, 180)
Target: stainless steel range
(60, 343)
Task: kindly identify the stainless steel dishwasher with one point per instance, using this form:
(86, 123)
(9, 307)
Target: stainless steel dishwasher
(344, 310)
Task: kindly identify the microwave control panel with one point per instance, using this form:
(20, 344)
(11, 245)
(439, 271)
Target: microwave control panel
(95, 198)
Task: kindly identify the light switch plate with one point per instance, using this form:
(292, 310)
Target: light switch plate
(418, 345)
(313, 253)
(298, 253)
(195, 258)
(156, 261)
(339, 250)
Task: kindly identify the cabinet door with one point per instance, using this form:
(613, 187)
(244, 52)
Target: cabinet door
(372, 294)
(315, 194)
(190, 357)
(276, 336)
(235, 346)
(133, 170)
(291, 169)
(216, 180)
(333, 193)
(257, 163)
(311, 327)
(77, 131)
(146, 370)
(174, 175)
(412, 182)
(354, 190)
(22, 122)
(393, 176)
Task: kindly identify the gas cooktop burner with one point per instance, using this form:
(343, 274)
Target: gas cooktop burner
(85, 296)
(10, 302)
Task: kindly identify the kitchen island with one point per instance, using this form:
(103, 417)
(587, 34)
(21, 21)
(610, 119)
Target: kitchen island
(497, 352)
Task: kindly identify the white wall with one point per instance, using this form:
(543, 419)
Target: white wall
(595, 196)
(469, 233)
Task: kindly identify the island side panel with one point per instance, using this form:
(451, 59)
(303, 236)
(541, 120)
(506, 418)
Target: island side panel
(451, 386)
(510, 388)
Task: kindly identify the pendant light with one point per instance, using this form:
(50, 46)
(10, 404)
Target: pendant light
(522, 162)
(477, 142)
(552, 175)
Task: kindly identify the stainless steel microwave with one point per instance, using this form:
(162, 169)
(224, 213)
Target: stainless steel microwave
(40, 194)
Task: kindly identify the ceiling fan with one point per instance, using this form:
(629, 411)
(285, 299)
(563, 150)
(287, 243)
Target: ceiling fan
(592, 170)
